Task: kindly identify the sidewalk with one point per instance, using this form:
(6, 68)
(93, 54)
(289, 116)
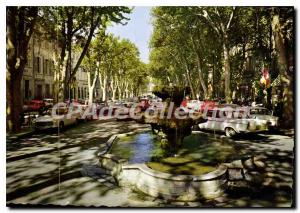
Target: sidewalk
(15, 136)
(288, 132)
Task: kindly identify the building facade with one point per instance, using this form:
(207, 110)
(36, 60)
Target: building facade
(39, 75)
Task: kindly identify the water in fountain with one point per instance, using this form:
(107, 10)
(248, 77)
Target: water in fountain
(198, 154)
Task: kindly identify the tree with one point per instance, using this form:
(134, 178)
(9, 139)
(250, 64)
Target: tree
(183, 47)
(220, 20)
(130, 76)
(19, 28)
(107, 55)
(283, 37)
(91, 62)
(115, 63)
(77, 26)
(216, 51)
(168, 38)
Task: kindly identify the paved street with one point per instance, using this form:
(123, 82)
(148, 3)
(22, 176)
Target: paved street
(36, 165)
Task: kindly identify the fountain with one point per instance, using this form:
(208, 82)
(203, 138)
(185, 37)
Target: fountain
(173, 163)
(166, 124)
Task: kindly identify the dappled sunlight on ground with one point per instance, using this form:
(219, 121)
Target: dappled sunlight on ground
(34, 164)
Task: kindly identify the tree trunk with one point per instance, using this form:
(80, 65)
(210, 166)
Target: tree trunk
(286, 80)
(114, 94)
(93, 25)
(20, 23)
(190, 83)
(91, 85)
(103, 85)
(113, 88)
(104, 90)
(103, 93)
(119, 92)
(91, 93)
(204, 88)
(200, 74)
(14, 101)
(227, 73)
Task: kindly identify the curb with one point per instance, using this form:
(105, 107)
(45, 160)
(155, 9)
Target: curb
(19, 136)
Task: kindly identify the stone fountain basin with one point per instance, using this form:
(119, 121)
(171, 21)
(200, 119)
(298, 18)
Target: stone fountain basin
(164, 185)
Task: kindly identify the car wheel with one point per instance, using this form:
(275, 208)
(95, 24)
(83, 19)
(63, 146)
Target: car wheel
(61, 126)
(273, 129)
(230, 132)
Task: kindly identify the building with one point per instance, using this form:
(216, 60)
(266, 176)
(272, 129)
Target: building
(80, 89)
(38, 77)
(38, 80)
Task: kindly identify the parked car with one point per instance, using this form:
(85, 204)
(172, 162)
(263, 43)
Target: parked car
(26, 105)
(87, 112)
(61, 119)
(262, 113)
(48, 102)
(232, 122)
(208, 105)
(27, 117)
(36, 105)
(194, 105)
(228, 105)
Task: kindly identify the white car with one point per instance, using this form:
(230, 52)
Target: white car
(232, 121)
(58, 118)
(262, 113)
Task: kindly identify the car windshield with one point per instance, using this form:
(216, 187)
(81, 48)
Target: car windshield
(260, 112)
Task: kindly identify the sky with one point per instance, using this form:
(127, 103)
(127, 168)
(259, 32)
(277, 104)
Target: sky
(138, 30)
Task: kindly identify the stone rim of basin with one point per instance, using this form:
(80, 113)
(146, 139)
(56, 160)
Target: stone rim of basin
(221, 169)
(169, 186)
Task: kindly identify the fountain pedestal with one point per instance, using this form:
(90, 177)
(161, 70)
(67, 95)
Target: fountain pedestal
(172, 124)
(172, 131)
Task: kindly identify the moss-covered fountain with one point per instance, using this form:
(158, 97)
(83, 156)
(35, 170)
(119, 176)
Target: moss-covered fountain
(171, 123)
(172, 163)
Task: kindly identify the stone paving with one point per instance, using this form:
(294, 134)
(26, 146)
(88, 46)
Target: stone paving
(36, 166)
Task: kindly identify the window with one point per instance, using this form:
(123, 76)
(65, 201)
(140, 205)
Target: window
(78, 92)
(226, 114)
(219, 114)
(26, 85)
(37, 65)
(38, 92)
(46, 66)
(28, 63)
(51, 67)
(209, 113)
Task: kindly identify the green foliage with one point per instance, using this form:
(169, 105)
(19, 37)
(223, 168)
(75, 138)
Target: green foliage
(116, 60)
(188, 43)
